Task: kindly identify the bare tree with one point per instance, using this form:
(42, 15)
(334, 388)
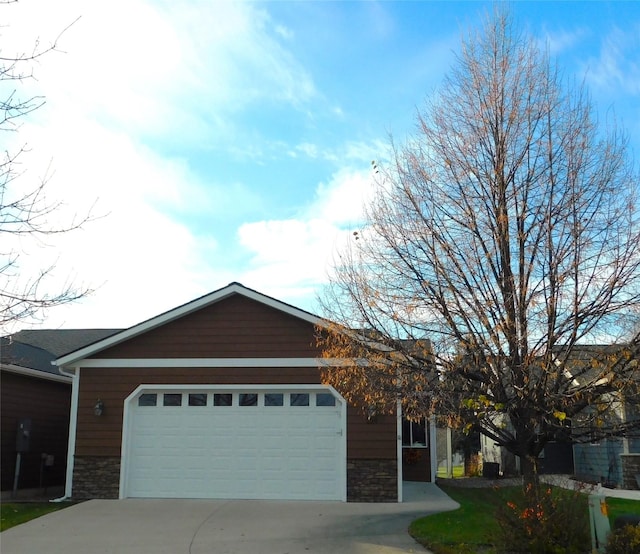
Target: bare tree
(25, 210)
(503, 238)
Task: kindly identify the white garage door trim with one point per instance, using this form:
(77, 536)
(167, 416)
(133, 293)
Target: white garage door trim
(130, 405)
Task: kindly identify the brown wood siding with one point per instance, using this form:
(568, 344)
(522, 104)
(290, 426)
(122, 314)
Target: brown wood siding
(236, 327)
(370, 440)
(102, 436)
(47, 404)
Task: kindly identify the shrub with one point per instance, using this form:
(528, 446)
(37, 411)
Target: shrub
(544, 521)
(625, 540)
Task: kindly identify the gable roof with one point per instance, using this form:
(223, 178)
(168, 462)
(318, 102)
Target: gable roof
(207, 300)
(588, 363)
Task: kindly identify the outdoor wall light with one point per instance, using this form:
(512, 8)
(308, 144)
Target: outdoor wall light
(98, 408)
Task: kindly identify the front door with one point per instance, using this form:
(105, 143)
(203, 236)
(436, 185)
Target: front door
(416, 462)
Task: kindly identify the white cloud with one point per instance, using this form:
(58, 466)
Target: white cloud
(235, 47)
(376, 150)
(562, 40)
(355, 152)
(132, 251)
(306, 148)
(617, 68)
(341, 201)
(133, 74)
(156, 69)
(291, 258)
(284, 32)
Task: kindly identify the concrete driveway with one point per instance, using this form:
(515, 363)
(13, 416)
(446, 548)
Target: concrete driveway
(228, 526)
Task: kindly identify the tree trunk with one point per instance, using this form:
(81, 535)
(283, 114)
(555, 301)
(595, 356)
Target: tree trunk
(529, 470)
(527, 448)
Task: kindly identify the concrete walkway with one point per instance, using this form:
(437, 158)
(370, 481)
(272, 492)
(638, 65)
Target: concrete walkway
(144, 526)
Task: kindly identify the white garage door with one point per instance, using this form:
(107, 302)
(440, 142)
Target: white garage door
(224, 443)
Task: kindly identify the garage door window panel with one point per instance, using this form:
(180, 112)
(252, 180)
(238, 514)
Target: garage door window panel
(148, 399)
(197, 399)
(274, 399)
(325, 399)
(299, 399)
(172, 399)
(248, 399)
(223, 399)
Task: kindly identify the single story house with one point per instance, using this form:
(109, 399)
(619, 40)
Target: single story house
(222, 398)
(35, 402)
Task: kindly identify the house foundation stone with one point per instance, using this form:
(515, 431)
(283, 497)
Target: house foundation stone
(96, 477)
(372, 481)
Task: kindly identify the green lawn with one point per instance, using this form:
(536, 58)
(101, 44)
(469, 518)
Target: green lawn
(620, 506)
(15, 513)
(456, 471)
(470, 528)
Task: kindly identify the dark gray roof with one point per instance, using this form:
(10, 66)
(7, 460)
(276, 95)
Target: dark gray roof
(25, 355)
(37, 348)
(62, 341)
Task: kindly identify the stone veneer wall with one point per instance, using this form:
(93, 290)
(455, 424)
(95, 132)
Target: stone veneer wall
(96, 477)
(372, 481)
(630, 468)
(367, 480)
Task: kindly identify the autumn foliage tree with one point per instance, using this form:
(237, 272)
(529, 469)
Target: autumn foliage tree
(503, 238)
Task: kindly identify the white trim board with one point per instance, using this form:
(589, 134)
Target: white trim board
(73, 426)
(28, 372)
(207, 362)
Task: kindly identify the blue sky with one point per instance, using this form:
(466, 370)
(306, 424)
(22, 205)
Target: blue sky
(232, 141)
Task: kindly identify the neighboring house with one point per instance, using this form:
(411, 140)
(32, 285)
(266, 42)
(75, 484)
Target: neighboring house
(555, 458)
(222, 398)
(35, 394)
(614, 462)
